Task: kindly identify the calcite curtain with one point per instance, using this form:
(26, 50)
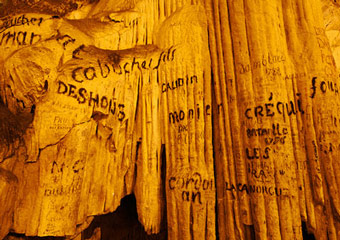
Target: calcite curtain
(222, 115)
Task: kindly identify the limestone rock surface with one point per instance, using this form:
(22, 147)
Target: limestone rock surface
(8, 187)
(220, 116)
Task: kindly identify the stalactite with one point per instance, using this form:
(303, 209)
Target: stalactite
(221, 115)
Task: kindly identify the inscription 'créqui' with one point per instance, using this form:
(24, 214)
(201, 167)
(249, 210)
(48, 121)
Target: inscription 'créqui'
(271, 109)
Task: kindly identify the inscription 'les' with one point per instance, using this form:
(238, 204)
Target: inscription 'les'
(257, 153)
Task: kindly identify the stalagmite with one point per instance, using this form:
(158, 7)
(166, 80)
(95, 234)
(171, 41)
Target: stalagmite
(220, 117)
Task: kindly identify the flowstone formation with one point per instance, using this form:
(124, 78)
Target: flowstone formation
(220, 116)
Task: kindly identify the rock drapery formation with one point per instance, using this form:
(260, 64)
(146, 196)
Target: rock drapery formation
(220, 114)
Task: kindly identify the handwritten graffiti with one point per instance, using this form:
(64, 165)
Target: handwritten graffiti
(255, 189)
(19, 38)
(178, 116)
(184, 137)
(257, 153)
(104, 69)
(61, 123)
(335, 120)
(83, 96)
(266, 61)
(194, 182)
(270, 109)
(180, 82)
(321, 37)
(316, 156)
(191, 187)
(275, 140)
(186, 196)
(260, 171)
(299, 165)
(59, 168)
(295, 76)
(328, 59)
(65, 40)
(323, 87)
(275, 131)
(63, 190)
(21, 20)
(260, 165)
(182, 128)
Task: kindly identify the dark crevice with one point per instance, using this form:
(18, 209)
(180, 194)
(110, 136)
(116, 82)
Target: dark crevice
(97, 116)
(305, 234)
(46, 85)
(122, 224)
(16, 236)
(33, 109)
(11, 126)
(163, 177)
(249, 232)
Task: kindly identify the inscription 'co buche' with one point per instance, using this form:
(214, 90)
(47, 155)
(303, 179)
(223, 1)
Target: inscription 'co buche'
(104, 69)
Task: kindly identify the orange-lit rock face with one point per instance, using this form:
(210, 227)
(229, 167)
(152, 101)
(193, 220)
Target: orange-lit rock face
(100, 93)
(47, 6)
(204, 110)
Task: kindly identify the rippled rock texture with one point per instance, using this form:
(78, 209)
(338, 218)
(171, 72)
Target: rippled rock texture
(221, 117)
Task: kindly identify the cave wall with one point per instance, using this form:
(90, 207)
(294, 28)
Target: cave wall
(221, 116)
